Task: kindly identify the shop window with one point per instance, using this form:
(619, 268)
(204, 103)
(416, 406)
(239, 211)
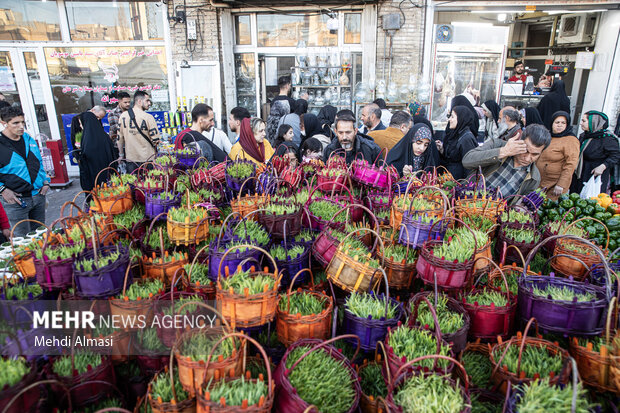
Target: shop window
(245, 74)
(242, 30)
(353, 28)
(134, 20)
(8, 84)
(82, 77)
(289, 30)
(29, 20)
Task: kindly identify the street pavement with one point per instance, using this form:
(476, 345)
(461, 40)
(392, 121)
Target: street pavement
(56, 198)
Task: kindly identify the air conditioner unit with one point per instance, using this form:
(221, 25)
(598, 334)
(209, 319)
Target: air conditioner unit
(577, 28)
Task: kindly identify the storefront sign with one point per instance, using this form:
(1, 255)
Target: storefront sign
(160, 95)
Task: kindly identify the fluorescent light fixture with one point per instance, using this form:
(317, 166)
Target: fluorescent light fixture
(552, 12)
(472, 24)
(495, 11)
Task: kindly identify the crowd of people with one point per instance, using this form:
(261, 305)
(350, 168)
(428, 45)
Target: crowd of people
(516, 150)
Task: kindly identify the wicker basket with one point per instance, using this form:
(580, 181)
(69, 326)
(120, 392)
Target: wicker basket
(293, 327)
(569, 262)
(406, 371)
(473, 347)
(348, 273)
(458, 339)
(244, 311)
(193, 373)
(288, 399)
(399, 274)
(186, 406)
(206, 405)
(490, 321)
(438, 271)
(501, 375)
(188, 233)
(249, 202)
(123, 307)
(595, 368)
(115, 204)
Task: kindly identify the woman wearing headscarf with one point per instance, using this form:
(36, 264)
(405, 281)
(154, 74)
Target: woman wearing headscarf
(292, 119)
(252, 144)
(461, 100)
(311, 128)
(458, 141)
(326, 117)
(290, 151)
(598, 152)
(97, 151)
(415, 151)
(559, 160)
(279, 109)
(552, 102)
(491, 113)
(532, 117)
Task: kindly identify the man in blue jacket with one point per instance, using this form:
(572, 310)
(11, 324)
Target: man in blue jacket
(23, 181)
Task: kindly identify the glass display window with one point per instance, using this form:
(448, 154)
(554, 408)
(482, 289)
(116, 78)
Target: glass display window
(288, 29)
(29, 20)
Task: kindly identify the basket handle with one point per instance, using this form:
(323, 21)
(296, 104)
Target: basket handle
(525, 209)
(437, 331)
(522, 346)
(219, 237)
(385, 360)
(505, 251)
(260, 348)
(273, 262)
(378, 237)
(290, 288)
(35, 384)
(595, 248)
(612, 306)
(333, 189)
(323, 344)
(572, 224)
(112, 169)
(310, 408)
(497, 267)
(434, 356)
(17, 224)
(434, 189)
(251, 178)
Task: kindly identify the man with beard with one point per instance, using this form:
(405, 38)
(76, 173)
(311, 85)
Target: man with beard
(202, 121)
(519, 75)
(350, 142)
(371, 118)
(509, 124)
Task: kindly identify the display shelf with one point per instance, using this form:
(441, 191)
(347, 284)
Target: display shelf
(319, 86)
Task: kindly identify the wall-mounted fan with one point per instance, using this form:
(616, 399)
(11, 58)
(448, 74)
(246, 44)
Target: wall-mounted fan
(444, 33)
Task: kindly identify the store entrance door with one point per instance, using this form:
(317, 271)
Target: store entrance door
(271, 69)
(24, 83)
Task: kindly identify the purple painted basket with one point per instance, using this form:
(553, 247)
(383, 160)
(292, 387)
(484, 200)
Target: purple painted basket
(414, 232)
(292, 266)
(54, 274)
(20, 312)
(106, 281)
(247, 259)
(287, 399)
(154, 205)
(567, 317)
(370, 331)
(186, 160)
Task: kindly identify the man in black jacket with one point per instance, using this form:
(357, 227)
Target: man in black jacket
(350, 143)
(23, 181)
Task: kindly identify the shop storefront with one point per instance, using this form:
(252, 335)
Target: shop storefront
(321, 51)
(472, 47)
(61, 58)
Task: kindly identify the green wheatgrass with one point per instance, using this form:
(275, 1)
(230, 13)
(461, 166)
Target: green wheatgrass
(353, 247)
(534, 360)
(129, 218)
(372, 382)
(253, 232)
(236, 391)
(143, 290)
(540, 396)
(92, 264)
(597, 343)
(149, 340)
(198, 345)
(411, 343)
(449, 321)
(459, 244)
(305, 235)
(12, 371)
(240, 170)
(61, 252)
(326, 210)
(321, 380)
(103, 404)
(521, 235)
(22, 291)
(518, 217)
(478, 367)
(563, 293)
(398, 253)
(302, 302)
(281, 209)
(194, 214)
(364, 305)
(162, 388)
(478, 406)
(487, 297)
(255, 284)
(429, 394)
(199, 273)
(62, 365)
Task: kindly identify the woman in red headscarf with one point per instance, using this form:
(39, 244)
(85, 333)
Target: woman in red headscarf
(252, 144)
